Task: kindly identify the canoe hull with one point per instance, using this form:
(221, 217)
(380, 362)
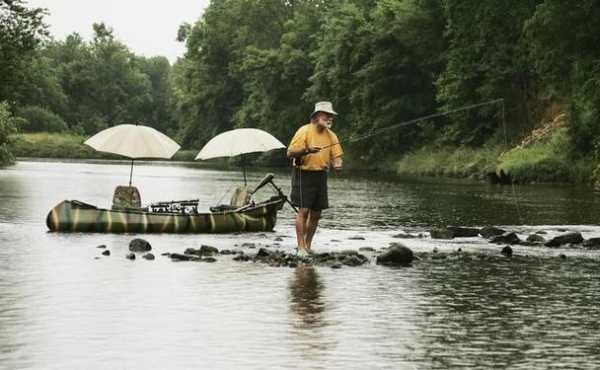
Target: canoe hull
(74, 216)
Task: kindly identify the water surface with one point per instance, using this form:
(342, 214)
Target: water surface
(63, 307)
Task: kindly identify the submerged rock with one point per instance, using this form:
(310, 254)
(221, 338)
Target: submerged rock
(568, 238)
(490, 231)
(130, 256)
(148, 256)
(184, 257)
(441, 233)
(106, 253)
(535, 238)
(356, 237)
(404, 236)
(592, 243)
(463, 232)
(506, 238)
(139, 245)
(396, 255)
(366, 249)
(101, 246)
(507, 251)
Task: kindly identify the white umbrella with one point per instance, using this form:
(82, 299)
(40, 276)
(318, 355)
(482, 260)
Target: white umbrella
(238, 142)
(133, 141)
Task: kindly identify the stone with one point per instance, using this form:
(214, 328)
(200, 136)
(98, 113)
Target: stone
(148, 256)
(205, 250)
(263, 253)
(366, 249)
(336, 266)
(403, 236)
(396, 255)
(441, 233)
(227, 252)
(490, 231)
(568, 238)
(139, 245)
(463, 232)
(507, 251)
(130, 256)
(592, 243)
(278, 239)
(535, 238)
(106, 253)
(208, 259)
(506, 238)
(356, 237)
(542, 232)
(101, 246)
(248, 245)
(562, 256)
(335, 240)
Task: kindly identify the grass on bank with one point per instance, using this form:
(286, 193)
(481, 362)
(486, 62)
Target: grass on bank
(450, 161)
(547, 160)
(67, 146)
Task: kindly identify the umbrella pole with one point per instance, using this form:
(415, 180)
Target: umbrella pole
(244, 170)
(131, 172)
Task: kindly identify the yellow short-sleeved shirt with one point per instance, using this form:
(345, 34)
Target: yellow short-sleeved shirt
(308, 135)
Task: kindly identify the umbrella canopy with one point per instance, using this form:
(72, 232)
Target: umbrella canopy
(134, 141)
(239, 141)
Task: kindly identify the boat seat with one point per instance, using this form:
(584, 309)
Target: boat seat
(240, 197)
(126, 197)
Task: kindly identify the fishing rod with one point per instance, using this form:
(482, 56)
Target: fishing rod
(379, 131)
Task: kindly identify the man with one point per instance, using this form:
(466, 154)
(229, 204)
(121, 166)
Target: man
(314, 148)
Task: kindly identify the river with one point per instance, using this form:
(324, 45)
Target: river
(65, 306)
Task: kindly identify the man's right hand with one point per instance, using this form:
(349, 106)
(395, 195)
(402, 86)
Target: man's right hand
(313, 149)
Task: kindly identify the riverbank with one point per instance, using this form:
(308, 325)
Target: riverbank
(539, 158)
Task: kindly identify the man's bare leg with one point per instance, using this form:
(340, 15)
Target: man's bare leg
(311, 226)
(301, 227)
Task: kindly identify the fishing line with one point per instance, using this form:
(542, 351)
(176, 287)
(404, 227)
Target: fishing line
(375, 132)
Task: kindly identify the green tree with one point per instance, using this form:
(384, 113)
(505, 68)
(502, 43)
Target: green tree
(21, 31)
(486, 60)
(7, 127)
(564, 49)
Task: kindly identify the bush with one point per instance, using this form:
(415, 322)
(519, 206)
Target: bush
(38, 119)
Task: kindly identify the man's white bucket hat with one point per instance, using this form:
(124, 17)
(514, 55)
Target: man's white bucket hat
(323, 106)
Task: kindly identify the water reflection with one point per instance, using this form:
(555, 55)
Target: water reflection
(306, 301)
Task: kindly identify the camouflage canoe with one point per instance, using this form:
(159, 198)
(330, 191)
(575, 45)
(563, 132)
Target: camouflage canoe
(76, 216)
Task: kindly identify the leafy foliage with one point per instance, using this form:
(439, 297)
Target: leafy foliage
(7, 127)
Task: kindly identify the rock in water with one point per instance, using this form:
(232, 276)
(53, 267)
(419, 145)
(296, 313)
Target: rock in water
(139, 245)
(507, 251)
(396, 255)
(506, 238)
(205, 250)
(130, 256)
(106, 253)
(490, 231)
(568, 238)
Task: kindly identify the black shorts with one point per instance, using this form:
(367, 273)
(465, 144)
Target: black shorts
(309, 189)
